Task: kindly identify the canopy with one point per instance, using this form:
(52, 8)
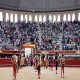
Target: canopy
(11, 51)
(28, 45)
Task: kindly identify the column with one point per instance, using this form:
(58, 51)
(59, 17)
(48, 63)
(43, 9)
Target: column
(4, 15)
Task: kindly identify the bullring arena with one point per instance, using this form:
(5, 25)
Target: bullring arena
(71, 70)
(39, 39)
(28, 73)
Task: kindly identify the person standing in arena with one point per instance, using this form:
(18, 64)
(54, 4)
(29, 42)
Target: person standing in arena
(51, 62)
(39, 67)
(35, 62)
(62, 62)
(46, 62)
(14, 61)
(18, 63)
(31, 60)
(56, 61)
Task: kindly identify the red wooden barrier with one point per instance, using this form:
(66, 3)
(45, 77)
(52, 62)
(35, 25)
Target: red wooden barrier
(72, 62)
(7, 62)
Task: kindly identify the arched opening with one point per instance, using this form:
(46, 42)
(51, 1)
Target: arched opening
(44, 18)
(58, 18)
(1, 16)
(69, 17)
(79, 17)
(26, 18)
(40, 18)
(30, 18)
(54, 18)
(73, 17)
(50, 18)
(36, 18)
(15, 18)
(11, 17)
(64, 17)
(21, 18)
(7, 17)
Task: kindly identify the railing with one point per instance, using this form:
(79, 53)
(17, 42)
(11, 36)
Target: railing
(58, 51)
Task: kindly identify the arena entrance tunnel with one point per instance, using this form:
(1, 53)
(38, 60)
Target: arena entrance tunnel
(29, 49)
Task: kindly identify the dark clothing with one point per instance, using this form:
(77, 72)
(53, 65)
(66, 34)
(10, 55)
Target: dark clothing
(38, 68)
(56, 62)
(50, 61)
(31, 61)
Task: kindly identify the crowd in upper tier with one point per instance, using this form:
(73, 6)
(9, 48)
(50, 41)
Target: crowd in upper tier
(64, 36)
(46, 36)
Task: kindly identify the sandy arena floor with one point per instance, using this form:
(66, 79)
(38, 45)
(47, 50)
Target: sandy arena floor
(28, 73)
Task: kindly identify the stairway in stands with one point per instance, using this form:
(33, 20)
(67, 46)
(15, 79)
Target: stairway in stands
(39, 32)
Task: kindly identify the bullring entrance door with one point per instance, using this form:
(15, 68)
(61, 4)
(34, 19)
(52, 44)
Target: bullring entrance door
(29, 49)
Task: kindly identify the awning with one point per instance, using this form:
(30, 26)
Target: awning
(29, 45)
(11, 52)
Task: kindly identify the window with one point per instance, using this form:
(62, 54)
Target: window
(44, 18)
(30, 18)
(7, 17)
(54, 18)
(15, 18)
(73, 17)
(64, 17)
(11, 17)
(69, 17)
(40, 18)
(50, 18)
(36, 18)
(21, 17)
(26, 18)
(58, 18)
(1, 16)
(79, 17)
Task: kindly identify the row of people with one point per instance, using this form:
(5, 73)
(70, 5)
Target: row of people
(38, 62)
